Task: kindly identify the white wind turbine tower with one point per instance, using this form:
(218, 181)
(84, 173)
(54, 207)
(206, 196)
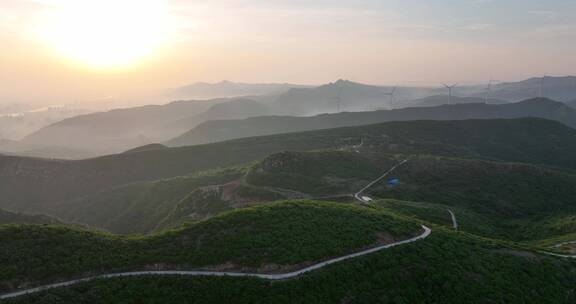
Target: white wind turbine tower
(338, 98)
(541, 88)
(488, 91)
(450, 89)
(391, 94)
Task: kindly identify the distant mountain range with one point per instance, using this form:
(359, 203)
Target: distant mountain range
(116, 130)
(557, 88)
(438, 100)
(220, 130)
(123, 129)
(229, 89)
(342, 96)
(16, 125)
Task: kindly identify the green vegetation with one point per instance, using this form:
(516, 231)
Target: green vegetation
(317, 172)
(210, 201)
(438, 214)
(503, 200)
(38, 185)
(142, 206)
(497, 199)
(445, 268)
(220, 130)
(508, 181)
(264, 238)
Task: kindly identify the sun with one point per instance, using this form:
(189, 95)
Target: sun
(106, 34)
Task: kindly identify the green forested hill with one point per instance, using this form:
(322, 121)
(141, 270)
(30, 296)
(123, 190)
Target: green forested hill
(504, 200)
(220, 130)
(492, 199)
(34, 185)
(445, 268)
(139, 207)
(268, 238)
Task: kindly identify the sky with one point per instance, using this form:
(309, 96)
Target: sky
(59, 51)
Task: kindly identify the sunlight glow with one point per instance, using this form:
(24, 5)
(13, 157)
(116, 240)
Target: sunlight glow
(106, 34)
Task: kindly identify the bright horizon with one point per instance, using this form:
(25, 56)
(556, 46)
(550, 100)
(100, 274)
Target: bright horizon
(59, 51)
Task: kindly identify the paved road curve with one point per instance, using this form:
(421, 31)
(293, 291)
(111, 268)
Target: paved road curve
(454, 221)
(358, 194)
(283, 276)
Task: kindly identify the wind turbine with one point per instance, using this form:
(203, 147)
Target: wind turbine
(450, 88)
(338, 98)
(391, 94)
(488, 91)
(541, 89)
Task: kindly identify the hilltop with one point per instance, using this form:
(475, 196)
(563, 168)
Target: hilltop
(228, 88)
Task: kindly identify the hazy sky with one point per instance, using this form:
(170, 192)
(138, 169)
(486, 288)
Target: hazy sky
(63, 50)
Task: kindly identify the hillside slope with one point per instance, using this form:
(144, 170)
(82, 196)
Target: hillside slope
(215, 131)
(267, 239)
(36, 185)
(438, 100)
(115, 130)
(7, 217)
(500, 197)
(558, 88)
(513, 201)
(445, 268)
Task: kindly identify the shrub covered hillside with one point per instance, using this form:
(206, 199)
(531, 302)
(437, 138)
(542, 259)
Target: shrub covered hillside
(320, 173)
(275, 237)
(514, 201)
(139, 207)
(38, 185)
(444, 268)
(492, 198)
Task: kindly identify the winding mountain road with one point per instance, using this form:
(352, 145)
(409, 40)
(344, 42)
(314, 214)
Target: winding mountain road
(273, 277)
(363, 199)
(454, 221)
(567, 256)
(562, 244)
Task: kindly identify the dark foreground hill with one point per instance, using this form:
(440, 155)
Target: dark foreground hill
(271, 238)
(35, 185)
(220, 130)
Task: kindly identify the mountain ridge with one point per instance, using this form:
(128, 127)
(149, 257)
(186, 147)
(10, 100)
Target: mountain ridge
(220, 130)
